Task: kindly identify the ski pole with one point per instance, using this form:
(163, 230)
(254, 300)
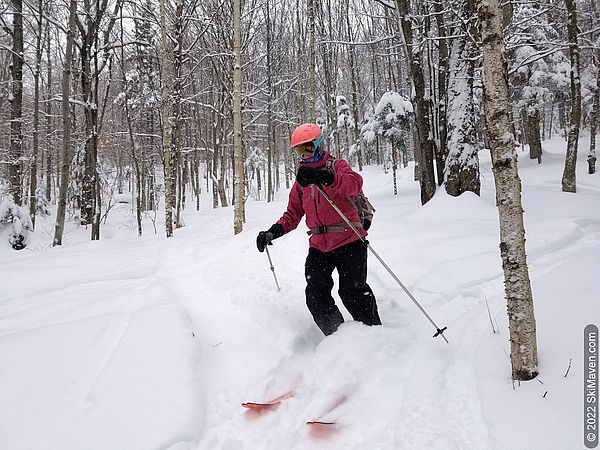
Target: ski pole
(439, 331)
(272, 268)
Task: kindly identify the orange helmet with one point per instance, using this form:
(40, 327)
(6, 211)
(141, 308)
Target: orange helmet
(307, 132)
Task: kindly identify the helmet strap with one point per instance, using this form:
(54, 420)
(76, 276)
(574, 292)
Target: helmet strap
(318, 141)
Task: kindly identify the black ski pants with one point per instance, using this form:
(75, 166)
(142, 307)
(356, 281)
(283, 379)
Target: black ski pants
(350, 261)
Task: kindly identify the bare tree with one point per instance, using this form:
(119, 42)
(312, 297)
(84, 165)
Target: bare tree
(594, 121)
(36, 112)
(16, 103)
(425, 143)
(569, 183)
(595, 104)
(312, 61)
(166, 115)
(508, 194)
(238, 151)
(66, 122)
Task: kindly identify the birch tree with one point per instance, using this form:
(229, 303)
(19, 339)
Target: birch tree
(517, 286)
(168, 171)
(240, 194)
(66, 125)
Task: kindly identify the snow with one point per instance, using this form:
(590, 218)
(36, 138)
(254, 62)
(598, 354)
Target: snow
(396, 102)
(154, 343)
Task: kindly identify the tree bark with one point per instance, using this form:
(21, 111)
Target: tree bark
(594, 121)
(36, 116)
(569, 183)
(425, 146)
(532, 131)
(270, 131)
(66, 120)
(16, 104)
(166, 116)
(134, 156)
(175, 121)
(49, 127)
(312, 62)
(238, 151)
(442, 94)
(508, 194)
(354, 86)
(462, 163)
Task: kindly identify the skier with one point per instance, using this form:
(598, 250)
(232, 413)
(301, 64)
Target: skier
(333, 244)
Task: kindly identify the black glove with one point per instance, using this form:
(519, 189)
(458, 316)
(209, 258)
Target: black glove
(264, 238)
(311, 175)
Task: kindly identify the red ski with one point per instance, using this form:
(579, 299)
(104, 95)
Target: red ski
(322, 420)
(262, 406)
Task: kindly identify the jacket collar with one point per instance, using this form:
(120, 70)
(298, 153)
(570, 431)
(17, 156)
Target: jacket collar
(321, 163)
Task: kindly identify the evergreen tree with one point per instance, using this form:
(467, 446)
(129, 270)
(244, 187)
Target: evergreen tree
(538, 71)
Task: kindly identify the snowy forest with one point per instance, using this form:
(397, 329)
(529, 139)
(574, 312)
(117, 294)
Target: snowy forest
(143, 144)
(100, 98)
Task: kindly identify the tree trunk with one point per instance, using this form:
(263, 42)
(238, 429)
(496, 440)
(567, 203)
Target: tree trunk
(36, 116)
(166, 115)
(508, 194)
(221, 182)
(49, 127)
(238, 152)
(354, 86)
(442, 94)
(66, 119)
(215, 160)
(88, 183)
(134, 156)
(594, 121)
(462, 163)
(175, 117)
(532, 131)
(270, 131)
(312, 62)
(395, 145)
(425, 147)
(16, 104)
(569, 183)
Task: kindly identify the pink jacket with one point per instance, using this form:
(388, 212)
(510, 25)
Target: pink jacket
(309, 201)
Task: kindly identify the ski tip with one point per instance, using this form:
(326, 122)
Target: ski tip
(258, 406)
(320, 422)
(261, 406)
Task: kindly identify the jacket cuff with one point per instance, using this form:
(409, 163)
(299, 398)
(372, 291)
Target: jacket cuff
(277, 230)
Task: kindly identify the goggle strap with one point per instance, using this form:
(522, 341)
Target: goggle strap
(318, 141)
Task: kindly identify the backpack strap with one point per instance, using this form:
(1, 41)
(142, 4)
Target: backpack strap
(330, 165)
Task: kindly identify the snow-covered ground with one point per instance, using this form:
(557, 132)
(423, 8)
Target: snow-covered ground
(129, 343)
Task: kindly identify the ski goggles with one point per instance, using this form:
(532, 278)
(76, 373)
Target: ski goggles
(304, 151)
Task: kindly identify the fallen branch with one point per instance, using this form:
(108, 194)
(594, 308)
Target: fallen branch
(490, 315)
(568, 368)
